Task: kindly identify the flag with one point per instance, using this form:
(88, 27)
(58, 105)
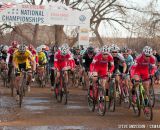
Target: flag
(5, 6)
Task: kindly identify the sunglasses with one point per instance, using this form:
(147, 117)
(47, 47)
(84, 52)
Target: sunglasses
(105, 54)
(114, 52)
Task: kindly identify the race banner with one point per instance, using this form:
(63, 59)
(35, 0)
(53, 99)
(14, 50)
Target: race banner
(25, 13)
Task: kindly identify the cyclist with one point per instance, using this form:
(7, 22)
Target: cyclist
(87, 59)
(145, 65)
(129, 62)
(11, 50)
(99, 67)
(52, 52)
(21, 60)
(42, 60)
(119, 62)
(63, 60)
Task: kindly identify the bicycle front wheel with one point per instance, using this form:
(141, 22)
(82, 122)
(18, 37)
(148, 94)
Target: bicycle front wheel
(101, 101)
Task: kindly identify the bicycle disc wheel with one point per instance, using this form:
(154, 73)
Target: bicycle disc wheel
(90, 99)
(101, 101)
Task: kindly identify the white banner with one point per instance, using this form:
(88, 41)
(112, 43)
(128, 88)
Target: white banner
(25, 14)
(39, 14)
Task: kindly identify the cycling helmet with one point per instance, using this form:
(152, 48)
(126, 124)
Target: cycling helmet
(90, 50)
(43, 47)
(114, 48)
(39, 49)
(125, 50)
(147, 51)
(5, 48)
(105, 49)
(14, 44)
(64, 49)
(30, 47)
(22, 48)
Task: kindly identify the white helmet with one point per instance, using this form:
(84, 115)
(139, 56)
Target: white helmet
(42, 46)
(5, 48)
(39, 49)
(22, 48)
(114, 48)
(147, 51)
(64, 49)
(104, 49)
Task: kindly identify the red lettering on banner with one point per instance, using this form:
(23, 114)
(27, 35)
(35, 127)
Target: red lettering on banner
(59, 14)
(33, 6)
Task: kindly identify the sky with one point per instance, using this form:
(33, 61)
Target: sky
(104, 29)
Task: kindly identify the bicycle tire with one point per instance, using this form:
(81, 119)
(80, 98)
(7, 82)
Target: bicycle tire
(64, 95)
(90, 100)
(112, 96)
(136, 107)
(152, 95)
(101, 101)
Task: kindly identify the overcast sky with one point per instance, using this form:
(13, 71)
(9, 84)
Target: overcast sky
(107, 31)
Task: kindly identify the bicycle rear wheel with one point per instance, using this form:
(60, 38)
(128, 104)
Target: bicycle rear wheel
(101, 101)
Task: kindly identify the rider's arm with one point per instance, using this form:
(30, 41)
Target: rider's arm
(124, 67)
(33, 62)
(15, 63)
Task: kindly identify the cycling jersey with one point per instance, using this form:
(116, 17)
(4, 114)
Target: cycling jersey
(19, 58)
(129, 62)
(10, 52)
(61, 61)
(77, 58)
(86, 61)
(100, 65)
(142, 66)
(42, 58)
(118, 63)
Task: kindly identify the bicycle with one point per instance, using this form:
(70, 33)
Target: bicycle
(125, 97)
(76, 77)
(140, 101)
(23, 86)
(61, 92)
(97, 96)
(41, 76)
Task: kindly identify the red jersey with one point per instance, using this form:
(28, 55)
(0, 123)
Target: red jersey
(99, 62)
(11, 50)
(61, 61)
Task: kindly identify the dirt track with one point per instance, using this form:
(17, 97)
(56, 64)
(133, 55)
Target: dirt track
(40, 111)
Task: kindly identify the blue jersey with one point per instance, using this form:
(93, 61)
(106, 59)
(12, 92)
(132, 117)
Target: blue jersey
(129, 61)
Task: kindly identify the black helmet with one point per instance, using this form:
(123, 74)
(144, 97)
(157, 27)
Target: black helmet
(90, 49)
(125, 50)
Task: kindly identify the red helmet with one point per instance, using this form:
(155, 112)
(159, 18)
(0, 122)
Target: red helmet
(14, 44)
(30, 47)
